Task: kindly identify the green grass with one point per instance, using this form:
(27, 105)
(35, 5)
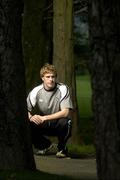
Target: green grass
(84, 95)
(86, 123)
(29, 175)
(82, 150)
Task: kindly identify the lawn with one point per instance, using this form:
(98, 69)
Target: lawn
(84, 95)
(86, 123)
(29, 175)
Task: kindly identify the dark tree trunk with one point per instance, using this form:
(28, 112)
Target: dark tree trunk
(105, 74)
(37, 38)
(15, 144)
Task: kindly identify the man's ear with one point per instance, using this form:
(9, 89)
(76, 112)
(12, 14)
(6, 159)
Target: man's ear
(42, 78)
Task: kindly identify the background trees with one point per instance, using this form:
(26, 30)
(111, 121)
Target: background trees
(63, 50)
(37, 38)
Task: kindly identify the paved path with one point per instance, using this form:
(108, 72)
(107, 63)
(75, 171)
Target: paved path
(83, 169)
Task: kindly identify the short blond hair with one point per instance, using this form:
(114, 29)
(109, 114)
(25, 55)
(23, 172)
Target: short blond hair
(48, 68)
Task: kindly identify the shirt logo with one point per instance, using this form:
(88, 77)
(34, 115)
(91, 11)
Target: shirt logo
(40, 100)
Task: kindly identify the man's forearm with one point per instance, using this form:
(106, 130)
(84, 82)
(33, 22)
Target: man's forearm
(60, 114)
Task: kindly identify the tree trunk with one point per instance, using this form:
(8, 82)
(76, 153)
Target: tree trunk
(37, 35)
(15, 144)
(63, 49)
(105, 74)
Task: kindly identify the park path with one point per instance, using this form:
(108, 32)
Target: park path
(83, 169)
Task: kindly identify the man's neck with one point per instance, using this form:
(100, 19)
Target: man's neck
(49, 89)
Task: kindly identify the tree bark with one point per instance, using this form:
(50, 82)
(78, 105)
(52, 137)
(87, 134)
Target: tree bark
(63, 50)
(15, 144)
(37, 39)
(105, 75)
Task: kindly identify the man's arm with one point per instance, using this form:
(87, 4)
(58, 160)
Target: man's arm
(60, 114)
(29, 115)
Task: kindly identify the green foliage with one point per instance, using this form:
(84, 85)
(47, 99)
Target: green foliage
(81, 44)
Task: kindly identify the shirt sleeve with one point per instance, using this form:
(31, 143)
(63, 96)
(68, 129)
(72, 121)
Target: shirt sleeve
(31, 99)
(65, 101)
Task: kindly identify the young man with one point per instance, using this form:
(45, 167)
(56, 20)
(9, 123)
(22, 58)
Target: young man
(53, 103)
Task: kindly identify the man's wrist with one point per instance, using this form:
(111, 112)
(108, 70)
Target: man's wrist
(30, 117)
(45, 118)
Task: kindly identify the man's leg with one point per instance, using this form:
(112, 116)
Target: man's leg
(63, 127)
(38, 139)
(60, 128)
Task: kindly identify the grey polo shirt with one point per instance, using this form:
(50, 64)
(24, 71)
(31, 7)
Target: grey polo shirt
(49, 102)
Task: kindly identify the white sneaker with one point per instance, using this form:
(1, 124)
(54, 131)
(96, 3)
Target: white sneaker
(61, 154)
(40, 152)
(46, 150)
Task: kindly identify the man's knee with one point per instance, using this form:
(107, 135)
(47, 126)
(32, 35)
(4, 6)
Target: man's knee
(64, 122)
(65, 125)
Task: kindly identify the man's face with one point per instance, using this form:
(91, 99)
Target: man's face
(49, 80)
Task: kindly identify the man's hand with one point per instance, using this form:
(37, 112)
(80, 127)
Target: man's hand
(37, 119)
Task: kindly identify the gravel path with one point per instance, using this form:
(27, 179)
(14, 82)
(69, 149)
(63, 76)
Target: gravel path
(83, 169)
